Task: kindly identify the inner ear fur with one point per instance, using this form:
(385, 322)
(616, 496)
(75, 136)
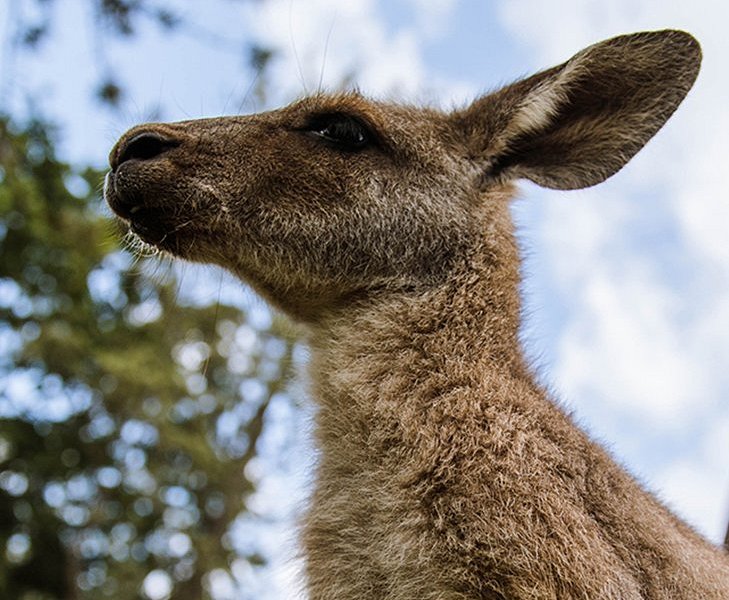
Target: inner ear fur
(575, 125)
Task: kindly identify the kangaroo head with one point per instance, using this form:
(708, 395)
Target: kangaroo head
(336, 196)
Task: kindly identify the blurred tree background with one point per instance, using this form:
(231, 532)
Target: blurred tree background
(130, 417)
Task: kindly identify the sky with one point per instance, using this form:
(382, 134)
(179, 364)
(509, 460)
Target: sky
(626, 284)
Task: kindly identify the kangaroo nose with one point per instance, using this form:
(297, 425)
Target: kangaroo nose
(145, 145)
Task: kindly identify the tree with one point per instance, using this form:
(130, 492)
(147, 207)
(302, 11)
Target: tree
(127, 416)
(128, 419)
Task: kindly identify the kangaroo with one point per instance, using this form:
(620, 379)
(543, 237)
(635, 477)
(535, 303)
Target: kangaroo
(446, 471)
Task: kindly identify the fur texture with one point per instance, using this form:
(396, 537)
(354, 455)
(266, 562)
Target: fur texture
(446, 472)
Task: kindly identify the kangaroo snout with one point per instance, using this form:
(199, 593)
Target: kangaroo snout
(132, 187)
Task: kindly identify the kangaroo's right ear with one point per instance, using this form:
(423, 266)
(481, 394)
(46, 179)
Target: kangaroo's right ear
(577, 124)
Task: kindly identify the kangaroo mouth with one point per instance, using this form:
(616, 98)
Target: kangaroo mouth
(147, 222)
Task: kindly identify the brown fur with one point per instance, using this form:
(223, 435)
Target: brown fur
(446, 472)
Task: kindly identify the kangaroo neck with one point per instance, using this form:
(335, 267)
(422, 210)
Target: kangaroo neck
(404, 348)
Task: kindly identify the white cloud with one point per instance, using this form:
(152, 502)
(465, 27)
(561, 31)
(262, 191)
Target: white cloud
(326, 42)
(433, 16)
(690, 485)
(702, 203)
(624, 348)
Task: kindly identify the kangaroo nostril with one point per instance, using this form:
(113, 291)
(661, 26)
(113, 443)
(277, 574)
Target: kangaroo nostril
(144, 146)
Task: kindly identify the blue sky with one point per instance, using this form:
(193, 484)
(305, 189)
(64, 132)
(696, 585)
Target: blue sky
(627, 284)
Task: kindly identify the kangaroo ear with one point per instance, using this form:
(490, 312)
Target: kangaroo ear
(577, 124)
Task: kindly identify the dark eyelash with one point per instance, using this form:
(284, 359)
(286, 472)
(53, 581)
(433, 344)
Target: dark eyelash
(344, 131)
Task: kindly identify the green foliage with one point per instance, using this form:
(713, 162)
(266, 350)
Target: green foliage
(127, 418)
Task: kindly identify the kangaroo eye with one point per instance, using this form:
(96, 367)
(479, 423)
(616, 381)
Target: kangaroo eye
(345, 131)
